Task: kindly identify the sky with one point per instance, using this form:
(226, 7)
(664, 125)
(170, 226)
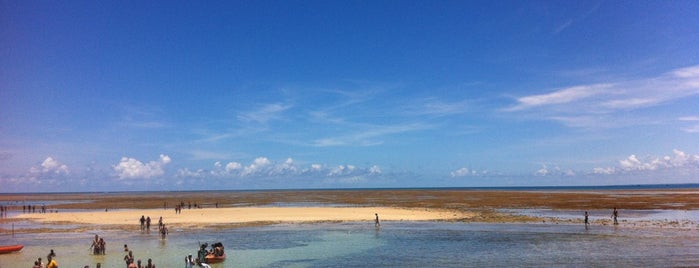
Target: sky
(211, 95)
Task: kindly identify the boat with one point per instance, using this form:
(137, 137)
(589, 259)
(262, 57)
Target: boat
(10, 248)
(211, 258)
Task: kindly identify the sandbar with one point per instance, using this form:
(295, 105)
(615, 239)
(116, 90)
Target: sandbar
(193, 218)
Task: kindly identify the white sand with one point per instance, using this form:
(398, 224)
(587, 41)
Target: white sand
(212, 216)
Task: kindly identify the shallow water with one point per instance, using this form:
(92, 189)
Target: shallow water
(401, 244)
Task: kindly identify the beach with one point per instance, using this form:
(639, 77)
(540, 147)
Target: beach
(322, 228)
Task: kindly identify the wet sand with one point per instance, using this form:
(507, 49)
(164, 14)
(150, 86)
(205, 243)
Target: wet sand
(233, 208)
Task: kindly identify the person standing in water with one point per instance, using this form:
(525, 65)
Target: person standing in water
(587, 221)
(615, 214)
(188, 261)
(52, 262)
(377, 224)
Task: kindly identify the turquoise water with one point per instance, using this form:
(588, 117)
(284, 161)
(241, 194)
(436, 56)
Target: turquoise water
(396, 244)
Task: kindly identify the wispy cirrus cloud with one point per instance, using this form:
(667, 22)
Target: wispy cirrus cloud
(592, 105)
(369, 135)
(265, 113)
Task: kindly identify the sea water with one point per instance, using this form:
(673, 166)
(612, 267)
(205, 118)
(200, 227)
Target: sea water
(394, 244)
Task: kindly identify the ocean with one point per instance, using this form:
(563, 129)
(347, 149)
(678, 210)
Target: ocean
(395, 244)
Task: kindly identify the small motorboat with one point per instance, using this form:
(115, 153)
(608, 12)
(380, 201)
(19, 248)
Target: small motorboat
(10, 248)
(211, 258)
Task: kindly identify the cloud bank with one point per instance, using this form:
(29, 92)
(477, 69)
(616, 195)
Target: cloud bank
(679, 160)
(131, 168)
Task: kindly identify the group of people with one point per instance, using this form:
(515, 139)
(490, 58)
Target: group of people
(99, 246)
(3, 211)
(145, 225)
(217, 250)
(32, 209)
(615, 215)
(181, 205)
(51, 258)
(131, 262)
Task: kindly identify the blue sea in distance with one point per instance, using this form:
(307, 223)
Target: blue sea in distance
(395, 244)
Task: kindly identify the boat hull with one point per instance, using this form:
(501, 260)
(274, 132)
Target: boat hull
(215, 259)
(10, 248)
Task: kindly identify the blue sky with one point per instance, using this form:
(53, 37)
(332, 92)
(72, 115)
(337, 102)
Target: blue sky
(133, 95)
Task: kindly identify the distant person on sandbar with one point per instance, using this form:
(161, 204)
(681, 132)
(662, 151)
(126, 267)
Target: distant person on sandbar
(143, 222)
(376, 221)
(615, 214)
(148, 224)
(587, 221)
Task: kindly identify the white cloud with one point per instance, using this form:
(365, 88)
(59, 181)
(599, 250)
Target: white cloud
(374, 170)
(257, 166)
(555, 171)
(561, 96)
(462, 172)
(689, 118)
(263, 167)
(342, 170)
(678, 160)
(466, 172)
(129, 168)
(594, 104)
(233, 166)
(50, 166)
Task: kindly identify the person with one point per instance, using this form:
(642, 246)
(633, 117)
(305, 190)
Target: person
(41, 263)
(36, 265)
(201, 254)
(52, 262)
(160, 223)
(95, 245)
(138, 262)
(126, 248)
(150, 264)
(143, 222)
(188, 262)
(52, 254)
(102, 246)
(148, 224)
(587, 222)
(217, 249)
(128, 258)
(376, 221)
(615, 214)
(163, 231)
